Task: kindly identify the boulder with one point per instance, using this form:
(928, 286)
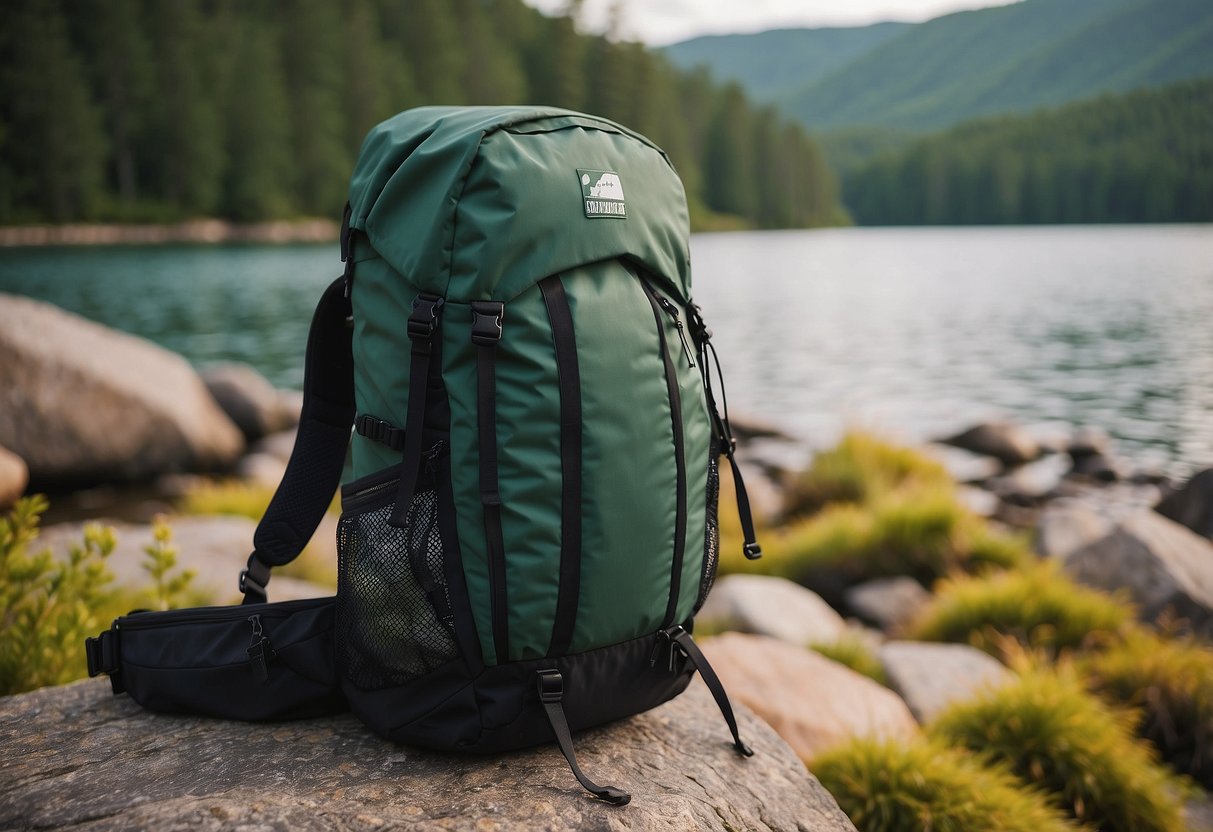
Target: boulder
(1166, 569)
(977, 500)
(963, 466)
(278, 445)
(81, 403)
(889, 603)
(1006, 442)
(78, 757)
(1192, 504)
(14, 476)
(930, 677)
(248, 399)
(747, 426)
(260, 469)
(1099, 467)
(215, 547)
(774, 607)
(1068, 524)
(812, 702)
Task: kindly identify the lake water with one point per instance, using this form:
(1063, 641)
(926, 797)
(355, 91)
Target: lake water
(916, 332)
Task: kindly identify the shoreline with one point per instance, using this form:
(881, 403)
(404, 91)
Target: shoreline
(202, 231)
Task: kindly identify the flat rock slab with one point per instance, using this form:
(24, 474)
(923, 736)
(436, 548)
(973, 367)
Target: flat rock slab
(814, 703)
(930, 677)
(774, 607)
(891, 604)
(77, 757)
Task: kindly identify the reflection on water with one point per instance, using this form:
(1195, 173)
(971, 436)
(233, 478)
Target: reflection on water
(917, 331)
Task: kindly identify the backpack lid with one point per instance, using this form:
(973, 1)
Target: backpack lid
(479, 203)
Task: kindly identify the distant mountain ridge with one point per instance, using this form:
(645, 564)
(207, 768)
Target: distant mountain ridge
(780, 62)
(1006, 59)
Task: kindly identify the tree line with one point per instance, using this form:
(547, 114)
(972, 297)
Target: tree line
(146, 110)
(1142, 157)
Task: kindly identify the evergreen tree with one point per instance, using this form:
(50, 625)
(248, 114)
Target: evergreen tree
(52, 148)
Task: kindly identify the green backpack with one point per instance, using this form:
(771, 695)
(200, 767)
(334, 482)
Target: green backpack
(531, 520)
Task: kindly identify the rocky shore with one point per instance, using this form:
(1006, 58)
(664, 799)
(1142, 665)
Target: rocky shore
(191, 231)
(823, 652)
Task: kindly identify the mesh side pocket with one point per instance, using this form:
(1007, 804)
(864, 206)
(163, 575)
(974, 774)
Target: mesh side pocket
(711, 537)
(394, 619)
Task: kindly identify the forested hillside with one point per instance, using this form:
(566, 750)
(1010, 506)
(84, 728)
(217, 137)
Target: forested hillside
(1013, 58)
(775, 64)
(1142, 157)
(156, 110)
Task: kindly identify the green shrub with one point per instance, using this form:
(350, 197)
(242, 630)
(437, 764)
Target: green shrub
(1054, 735)
(859, 469)
(1036, 606)
(49, 605)
(923, 533)
(891, 787)
(855, 654)
(1170, 682)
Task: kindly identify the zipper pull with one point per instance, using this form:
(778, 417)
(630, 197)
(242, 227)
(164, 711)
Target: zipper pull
(672, 310)
(431, 456)
(259, 652)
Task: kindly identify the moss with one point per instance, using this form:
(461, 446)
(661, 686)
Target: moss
(888, 787)
(1057, 737)
(923, 533)
(1035, 606)
(859, 469)
(1170, 683)
(855, 654)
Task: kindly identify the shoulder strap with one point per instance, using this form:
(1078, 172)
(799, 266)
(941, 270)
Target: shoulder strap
(314, 470)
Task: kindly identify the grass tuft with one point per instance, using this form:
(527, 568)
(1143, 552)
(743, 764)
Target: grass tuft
(1170, 683)
(859, 469)
(891, 787)
(1036, 606)
(1057, 737)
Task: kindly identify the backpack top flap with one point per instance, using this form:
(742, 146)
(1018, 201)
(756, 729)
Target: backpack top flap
(478, 203)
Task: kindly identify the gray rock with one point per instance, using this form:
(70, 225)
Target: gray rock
(215, 547)
(889, 603)
(964, 466)
(1089, 441)
(1192, 504)
(248, 399)
(1166, 568)
(83, 404)
(812, 702)
(261, 469)
(1029, 484)
(774, 607)
(752, 426)
(1006, 442)
(977, 500)
(14, 476)
(277, 445)
(1100, 467)
(77, 757)
(930, 677)
(1068, 524)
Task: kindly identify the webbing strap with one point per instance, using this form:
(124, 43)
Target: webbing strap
(683, 639)
(568, 375)
(422, 323)
(486, 335)
(551, 692)
(314, 469)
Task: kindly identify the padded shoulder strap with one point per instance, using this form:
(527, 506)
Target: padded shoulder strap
(314, 470)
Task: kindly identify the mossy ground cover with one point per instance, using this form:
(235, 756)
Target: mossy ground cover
(924, 785)
(1057, 737)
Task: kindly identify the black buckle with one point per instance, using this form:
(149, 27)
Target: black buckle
(551, 685)
(378, 430)
(254, 579)
(424, 316)
(699, 328)
(100, 654)
(487, 316)
(752, 551)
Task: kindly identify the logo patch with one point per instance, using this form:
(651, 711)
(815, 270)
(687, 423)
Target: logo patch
(602, 193)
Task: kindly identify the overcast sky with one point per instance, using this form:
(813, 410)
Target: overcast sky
(660, 22)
